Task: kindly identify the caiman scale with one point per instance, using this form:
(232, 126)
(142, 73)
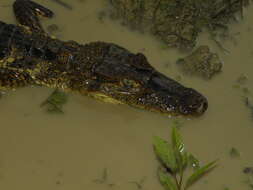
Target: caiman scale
(106, 71)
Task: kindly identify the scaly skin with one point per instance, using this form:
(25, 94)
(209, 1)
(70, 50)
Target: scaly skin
(102, 70)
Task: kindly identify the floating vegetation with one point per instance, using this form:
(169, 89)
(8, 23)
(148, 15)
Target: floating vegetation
(55, 102)
(175, 161)
(178, 23)
(234, 153)
(201, 62)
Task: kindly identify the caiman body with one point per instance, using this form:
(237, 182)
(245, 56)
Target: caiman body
(102, 70)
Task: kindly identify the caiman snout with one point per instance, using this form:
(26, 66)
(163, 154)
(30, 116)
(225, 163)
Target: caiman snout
(193, 103)
(168, 96)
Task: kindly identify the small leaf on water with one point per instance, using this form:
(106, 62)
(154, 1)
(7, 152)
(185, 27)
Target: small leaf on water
(166, 180)
(199, 173)
(165, 153)
(234, 153)
(193, 162)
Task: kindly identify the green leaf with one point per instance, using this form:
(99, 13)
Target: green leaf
(177, 142)
(178, 147)
(185, 160)
(193, 162)
(199, 173)
(166, 180)
(165, 153)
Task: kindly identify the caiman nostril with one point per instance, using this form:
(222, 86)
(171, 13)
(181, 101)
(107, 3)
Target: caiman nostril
(203, 106)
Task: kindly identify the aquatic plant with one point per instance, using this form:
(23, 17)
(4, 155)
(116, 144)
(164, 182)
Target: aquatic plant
(178, 23)
(55, 102)
(175, 161)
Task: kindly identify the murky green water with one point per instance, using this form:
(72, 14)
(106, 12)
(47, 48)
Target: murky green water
(43, 151)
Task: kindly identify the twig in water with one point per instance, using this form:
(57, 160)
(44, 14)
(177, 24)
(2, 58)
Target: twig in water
(67, 6)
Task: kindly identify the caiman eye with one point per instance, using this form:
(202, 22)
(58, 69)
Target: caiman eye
(130, 83)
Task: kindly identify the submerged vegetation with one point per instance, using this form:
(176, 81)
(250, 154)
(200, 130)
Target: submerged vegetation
(242, 84)
(177, 23)
(54, 103)
(234, 153)
(175, 162)
(202, 62)
(248, 171)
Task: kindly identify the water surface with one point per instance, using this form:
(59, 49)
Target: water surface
(70, 151)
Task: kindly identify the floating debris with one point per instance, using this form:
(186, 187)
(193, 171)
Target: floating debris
(201, 62)
(139, 184)
(67, 6)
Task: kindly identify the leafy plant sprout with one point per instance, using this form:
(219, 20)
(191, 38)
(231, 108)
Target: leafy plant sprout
(175, 161)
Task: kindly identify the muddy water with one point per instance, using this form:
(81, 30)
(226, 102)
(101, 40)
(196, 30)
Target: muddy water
(43, 151)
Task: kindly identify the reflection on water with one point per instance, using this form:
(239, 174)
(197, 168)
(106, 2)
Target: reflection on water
(70, 151)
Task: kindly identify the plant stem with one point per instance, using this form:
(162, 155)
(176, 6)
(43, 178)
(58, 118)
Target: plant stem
(181, 177)
(177, 183)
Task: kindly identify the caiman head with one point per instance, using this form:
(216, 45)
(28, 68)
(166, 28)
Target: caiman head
(129, 78)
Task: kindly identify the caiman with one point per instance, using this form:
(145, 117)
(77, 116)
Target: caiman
(106, 71)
